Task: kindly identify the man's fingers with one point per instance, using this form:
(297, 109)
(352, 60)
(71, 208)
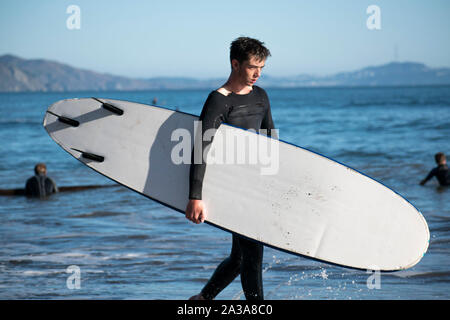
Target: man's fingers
(198, 217)
(195, 212)
(192, 215)
(189, 212)
(202, 216)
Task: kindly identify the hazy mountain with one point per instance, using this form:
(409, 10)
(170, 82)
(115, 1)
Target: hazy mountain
(392, 74)
(17, 74)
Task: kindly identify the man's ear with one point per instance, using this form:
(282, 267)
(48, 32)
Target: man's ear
(235, 64)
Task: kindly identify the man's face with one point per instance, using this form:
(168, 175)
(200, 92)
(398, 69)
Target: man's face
(249, 70)
(41, 170)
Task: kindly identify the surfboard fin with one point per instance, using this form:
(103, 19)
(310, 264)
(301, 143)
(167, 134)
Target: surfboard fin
(70, 122)
(110, 107)
(90, 156)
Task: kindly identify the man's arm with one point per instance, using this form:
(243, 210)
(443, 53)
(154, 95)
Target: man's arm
(29, 187)
(428, 177)
(267, 122)
(55, 187)
(212, 116)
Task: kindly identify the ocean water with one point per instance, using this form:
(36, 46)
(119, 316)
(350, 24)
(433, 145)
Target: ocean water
(126, 246)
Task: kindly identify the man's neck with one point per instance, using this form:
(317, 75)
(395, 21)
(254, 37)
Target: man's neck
(233, 84)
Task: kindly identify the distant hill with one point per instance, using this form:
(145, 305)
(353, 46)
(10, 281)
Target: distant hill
(18, 75)
(391, 74)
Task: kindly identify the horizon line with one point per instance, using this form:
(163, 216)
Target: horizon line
(218, 77)
(209, 88)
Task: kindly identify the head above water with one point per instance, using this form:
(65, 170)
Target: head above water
(247, 58)
(40, 169)
(440, 158)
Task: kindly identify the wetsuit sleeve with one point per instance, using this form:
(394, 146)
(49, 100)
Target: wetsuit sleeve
(212, 116)
(267, 122)
(429, 176)
(55, 187)
(29, 187)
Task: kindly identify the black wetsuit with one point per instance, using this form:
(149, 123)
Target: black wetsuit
(40, 186)
(249, 111)
(441, 173)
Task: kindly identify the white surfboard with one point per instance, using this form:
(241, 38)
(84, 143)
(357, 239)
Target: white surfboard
(310, 205)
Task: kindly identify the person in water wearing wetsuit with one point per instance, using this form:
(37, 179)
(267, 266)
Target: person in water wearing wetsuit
(40, 185)
(440, 172)
(240, 103)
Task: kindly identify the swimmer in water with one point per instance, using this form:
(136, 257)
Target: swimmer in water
(440, 172)
(40, 185)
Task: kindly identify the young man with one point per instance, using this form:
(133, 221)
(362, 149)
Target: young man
(440, 172)
(40, 185)
(240, 103)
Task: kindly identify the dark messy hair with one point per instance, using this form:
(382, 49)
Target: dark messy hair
(439, 157)
(243, 47)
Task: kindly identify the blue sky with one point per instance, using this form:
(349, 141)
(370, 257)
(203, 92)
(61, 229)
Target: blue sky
(191, 38)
